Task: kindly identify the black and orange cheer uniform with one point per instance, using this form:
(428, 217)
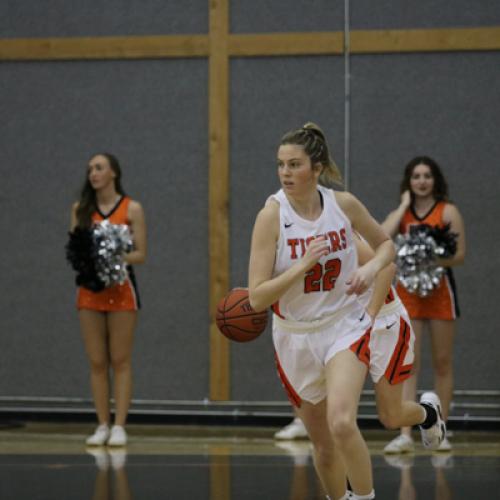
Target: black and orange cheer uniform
(121, 297)
(442, 302)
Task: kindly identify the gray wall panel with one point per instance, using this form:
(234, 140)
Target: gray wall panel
(56, 18)
(262, 16)
(401, 14)
(55, 116)
(445, 106)
(269, 96)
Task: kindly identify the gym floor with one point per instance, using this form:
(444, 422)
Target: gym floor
(49, 461)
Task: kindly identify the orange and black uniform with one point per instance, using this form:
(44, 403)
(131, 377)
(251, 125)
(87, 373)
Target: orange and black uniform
(124, 297)
(442, 302)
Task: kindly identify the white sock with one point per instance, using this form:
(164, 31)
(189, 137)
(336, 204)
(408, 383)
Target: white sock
(364, 497)
(345, 497)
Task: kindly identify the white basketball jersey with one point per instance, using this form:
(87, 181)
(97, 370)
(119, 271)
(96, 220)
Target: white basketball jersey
(322, 292)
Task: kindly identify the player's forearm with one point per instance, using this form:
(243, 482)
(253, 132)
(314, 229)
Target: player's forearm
(268, 292)
(384, 255)
(381, 288)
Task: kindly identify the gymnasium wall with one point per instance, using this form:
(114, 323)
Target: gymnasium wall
(153, 115)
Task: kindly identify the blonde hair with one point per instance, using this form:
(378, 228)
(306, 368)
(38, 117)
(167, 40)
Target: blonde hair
(313, 140)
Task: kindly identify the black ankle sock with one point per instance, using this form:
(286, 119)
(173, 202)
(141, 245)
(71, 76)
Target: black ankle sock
(430, 418)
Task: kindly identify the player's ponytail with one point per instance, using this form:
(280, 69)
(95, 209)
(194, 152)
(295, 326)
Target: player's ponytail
(313, 140)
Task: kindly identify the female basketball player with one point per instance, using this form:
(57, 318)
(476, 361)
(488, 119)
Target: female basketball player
(424, 200)
(303, 263)
(108, 317)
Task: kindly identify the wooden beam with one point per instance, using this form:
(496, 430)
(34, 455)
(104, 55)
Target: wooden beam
(252, 45)
(218, 133)
(425, 40)
(116, 47)
(286, 44)
(365, 42)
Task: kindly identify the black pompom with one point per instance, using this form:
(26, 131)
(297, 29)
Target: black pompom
(81, 254)
(442, 236)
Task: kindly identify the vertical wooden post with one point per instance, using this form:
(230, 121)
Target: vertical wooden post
(218, 191)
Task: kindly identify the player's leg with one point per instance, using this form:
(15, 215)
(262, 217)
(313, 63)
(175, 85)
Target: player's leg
(392, 343)
(404, 442)
(345, 376)
(410, 385)
(302, 374)
(327, 461)
(393, 411)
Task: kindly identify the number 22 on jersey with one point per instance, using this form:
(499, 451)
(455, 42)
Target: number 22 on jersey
(322, 277)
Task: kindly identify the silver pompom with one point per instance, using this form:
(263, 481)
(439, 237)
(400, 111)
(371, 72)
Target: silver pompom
(111, 241)
(416, 260)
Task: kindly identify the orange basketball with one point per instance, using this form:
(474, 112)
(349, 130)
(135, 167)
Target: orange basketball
(236, 319)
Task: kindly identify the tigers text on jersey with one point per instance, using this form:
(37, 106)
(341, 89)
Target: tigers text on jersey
(322, 292)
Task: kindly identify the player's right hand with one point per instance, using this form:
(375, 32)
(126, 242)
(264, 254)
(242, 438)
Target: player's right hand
(316, 249)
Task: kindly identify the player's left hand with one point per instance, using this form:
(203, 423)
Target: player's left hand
(360, 280)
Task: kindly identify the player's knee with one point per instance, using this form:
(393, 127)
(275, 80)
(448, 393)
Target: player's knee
(343, 427)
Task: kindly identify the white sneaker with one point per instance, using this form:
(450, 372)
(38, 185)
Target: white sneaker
(118, 436)
(400, 444)
(99, 437)
(432, 437)
(445, 444)
(294, 430)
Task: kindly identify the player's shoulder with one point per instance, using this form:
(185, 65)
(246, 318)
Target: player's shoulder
(268, 218)
(270, 210)
(346, 200)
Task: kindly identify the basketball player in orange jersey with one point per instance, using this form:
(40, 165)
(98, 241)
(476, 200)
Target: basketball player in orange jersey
(108, 317)
(303, 263)
(424, 200)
